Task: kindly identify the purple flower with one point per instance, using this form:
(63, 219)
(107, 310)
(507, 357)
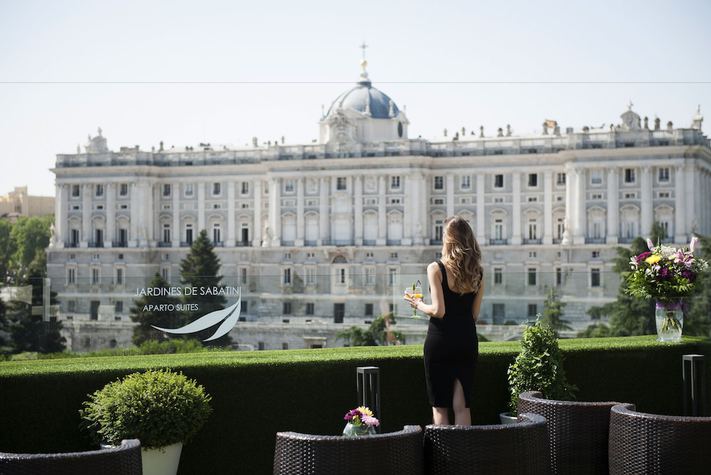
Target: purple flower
(643, 256)
(664, 273)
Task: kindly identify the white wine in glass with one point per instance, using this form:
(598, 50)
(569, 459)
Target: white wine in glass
(416, 293)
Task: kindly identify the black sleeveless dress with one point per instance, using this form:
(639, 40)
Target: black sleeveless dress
(451, 347)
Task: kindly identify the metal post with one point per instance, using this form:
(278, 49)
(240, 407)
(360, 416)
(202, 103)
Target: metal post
(368, 383)
(694, 385)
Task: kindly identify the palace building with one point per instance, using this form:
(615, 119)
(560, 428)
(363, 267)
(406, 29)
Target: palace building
(326, 235)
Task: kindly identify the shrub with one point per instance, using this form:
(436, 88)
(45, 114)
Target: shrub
(539, 366)
(158, 407)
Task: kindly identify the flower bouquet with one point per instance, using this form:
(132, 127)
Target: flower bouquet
(360, 422)
(668, 275)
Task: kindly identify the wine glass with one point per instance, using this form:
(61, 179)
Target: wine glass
(415, 292)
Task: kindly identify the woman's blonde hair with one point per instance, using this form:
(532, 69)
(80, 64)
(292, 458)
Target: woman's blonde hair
(461, 256)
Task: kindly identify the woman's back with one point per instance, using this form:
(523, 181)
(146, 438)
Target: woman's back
(457, 307)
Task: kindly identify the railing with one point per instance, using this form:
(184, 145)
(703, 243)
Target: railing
(165, 244)
(595, 240)
(532, 241)
(96, 243)
(497, 242)
(394, 242)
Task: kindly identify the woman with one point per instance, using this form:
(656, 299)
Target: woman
(451, 346)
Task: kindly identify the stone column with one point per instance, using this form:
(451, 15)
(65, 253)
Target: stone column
(134, 218)
(423, 209)
(358, 210)
(299, 183)
(201, 206)
(516, 209)
(480, 209)
(175, 208)
(647, 207)
(580, 207)
(690, 192)
(60, 211)
(613, 206)
(86, 216)
(569, 207)
(548, 207)
(110, 212)
(382, 216)
(275, 211)
(152, 212)
(257, 225)
(230, 241)
(324, 225)
(450, 194)
(409, 210)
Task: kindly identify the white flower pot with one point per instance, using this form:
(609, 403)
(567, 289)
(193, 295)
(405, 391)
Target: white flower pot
(161, 461)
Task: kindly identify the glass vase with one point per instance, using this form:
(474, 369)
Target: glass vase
(352, 430)
(669, 317)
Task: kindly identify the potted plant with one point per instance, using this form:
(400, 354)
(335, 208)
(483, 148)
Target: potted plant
(360, 421)
(668, 275)
(538, 367)
(161, 408)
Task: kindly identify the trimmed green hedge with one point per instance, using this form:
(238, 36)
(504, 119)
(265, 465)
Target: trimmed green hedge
(256, 394)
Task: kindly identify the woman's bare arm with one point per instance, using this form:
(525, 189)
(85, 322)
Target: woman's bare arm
(476, 306)
(436, 308)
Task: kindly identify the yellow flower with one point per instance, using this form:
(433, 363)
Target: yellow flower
(653, 259)
(366, 411)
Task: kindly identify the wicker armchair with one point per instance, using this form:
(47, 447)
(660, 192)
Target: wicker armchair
(515, 449)
(381, 454)
(122, 460)
(650, 444)
(578, 432)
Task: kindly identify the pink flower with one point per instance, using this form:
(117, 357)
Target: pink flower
(650, 244)
(370, 421)
(693, 243)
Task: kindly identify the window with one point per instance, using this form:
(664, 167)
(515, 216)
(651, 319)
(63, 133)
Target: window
(532, 274)
(123, 189)
(75, 191)
(596, 254)
(369, 276)
(533, 180)
(498, 181)
(71, 276)
(189, 234)
(284, 346)
(392, 276)
(95, 276)
(663, 175)
(558, 276)
(260, 345)
(395, 182)
(393, 255)
(438, 230)
(99, 190)
(532, 229)
(664, 194)
(596, 177)
(559, 228)
(166, 233)
(119, 276)
(532, 310)
(498, 276)
(287, 277)
(165, 273)
(499, 312)
(216, 234)
(596, 196)
(189, 189)
(245, 307)
(288, 186)
(341, 183)
(466, 182)
(166, 190)
(310, 275)
(309, 308)
(243, 276)
(341, 275)
(560, 179)
(594, 277)
(498, 229)
(369, 310)
(532, 254)
(665, 227)
(216, 189)
(118, 307)
(72, 306)
(245, 188)
(439, 183)
(286, 308)
(629, 175)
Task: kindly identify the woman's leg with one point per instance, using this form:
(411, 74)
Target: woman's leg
(462, 415)
(440, 416)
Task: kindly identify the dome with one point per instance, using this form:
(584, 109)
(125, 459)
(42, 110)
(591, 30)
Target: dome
(366, 99)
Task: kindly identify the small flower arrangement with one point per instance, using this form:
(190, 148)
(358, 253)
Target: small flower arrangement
(360, 421)
(664, 273)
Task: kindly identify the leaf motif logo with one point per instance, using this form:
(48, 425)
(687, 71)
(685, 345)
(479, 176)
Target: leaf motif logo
(228, 316)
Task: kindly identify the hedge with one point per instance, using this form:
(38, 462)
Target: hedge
(256, 394)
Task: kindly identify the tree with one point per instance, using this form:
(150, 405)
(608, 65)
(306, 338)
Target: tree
(596, 330)
(7, 249)
(31, 237)
(200, 269)
(697, 319)
(379, 333)
(5, 346)
(156, 310)
(553, 312)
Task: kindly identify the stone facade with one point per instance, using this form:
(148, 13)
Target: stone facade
(333, 231)
(19, 203)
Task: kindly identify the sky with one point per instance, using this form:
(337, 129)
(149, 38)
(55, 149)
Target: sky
(221, 71)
